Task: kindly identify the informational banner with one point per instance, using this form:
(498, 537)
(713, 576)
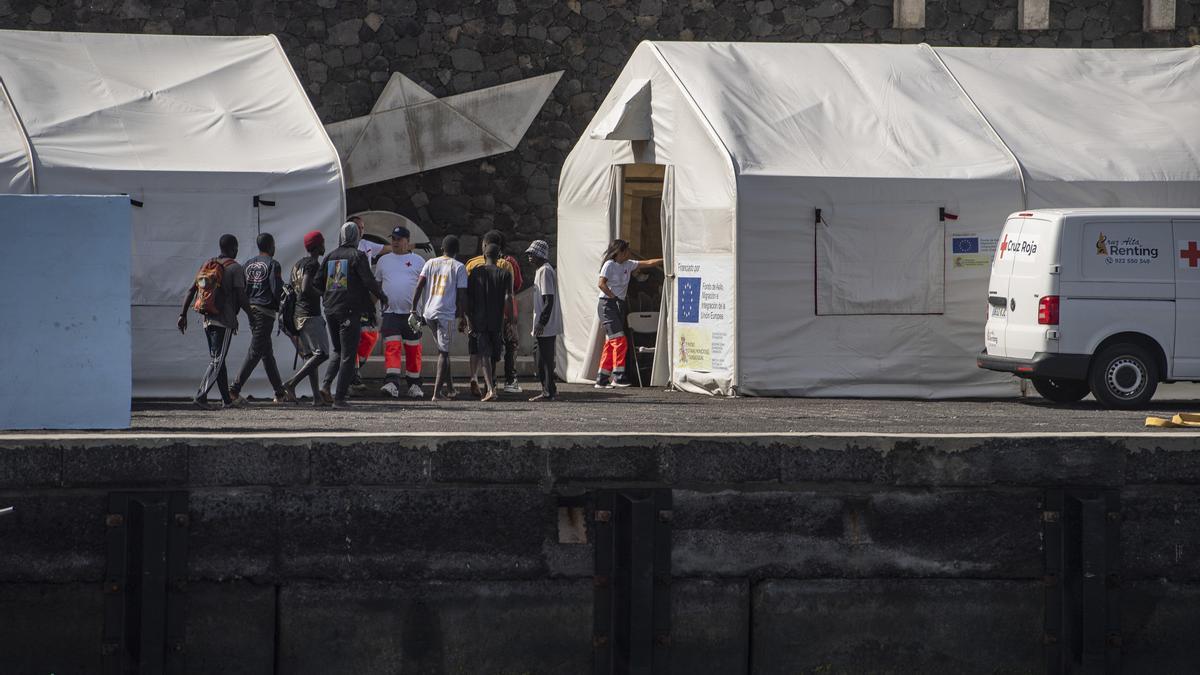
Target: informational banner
(704, 319)
(971, 251)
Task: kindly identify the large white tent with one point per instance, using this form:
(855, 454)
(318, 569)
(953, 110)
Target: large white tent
(207, 135)
(829, 212)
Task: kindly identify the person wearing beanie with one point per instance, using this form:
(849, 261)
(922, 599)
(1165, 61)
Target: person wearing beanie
(348, 286)
(398, 272)
(446, 279)
(313, 340)
(369, 335)
(547, 317)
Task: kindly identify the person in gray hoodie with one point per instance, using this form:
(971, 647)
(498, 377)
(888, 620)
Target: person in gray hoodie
(346, 280)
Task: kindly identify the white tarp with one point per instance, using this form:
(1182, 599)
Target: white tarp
(914, 156)
(193, 128)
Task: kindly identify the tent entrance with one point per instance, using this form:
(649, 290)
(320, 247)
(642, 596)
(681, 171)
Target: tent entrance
(641, 224)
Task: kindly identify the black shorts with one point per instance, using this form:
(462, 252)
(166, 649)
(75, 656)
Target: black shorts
(489, 343)
(612, 317)
(473, 345)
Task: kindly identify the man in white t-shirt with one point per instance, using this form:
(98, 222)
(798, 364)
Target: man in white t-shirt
(547, 317)
(369, 336)
(398, 272)
(446, 279)
(614, 283)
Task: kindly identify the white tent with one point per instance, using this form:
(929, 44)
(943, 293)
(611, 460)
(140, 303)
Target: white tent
(829, 212)
(207, 135)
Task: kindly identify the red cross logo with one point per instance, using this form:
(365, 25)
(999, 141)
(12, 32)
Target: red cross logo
(1190, 254)
(408, 263)
(1003, 246)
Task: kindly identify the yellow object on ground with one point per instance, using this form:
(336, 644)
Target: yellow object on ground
(1180, 420)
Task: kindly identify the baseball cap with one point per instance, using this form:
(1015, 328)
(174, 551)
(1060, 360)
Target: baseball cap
(400, 232)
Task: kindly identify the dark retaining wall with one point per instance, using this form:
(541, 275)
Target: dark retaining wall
(344, 51)
(789, 554)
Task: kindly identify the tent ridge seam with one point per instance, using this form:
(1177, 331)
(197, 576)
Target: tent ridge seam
(734, 370)
(25, 140)
(341, 172)
(1012, 155)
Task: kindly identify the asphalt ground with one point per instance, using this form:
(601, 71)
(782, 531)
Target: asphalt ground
(582, 409)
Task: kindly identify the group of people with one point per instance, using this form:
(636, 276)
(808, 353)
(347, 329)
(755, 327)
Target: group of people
(328, 307)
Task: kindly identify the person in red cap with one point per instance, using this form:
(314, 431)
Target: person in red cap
(313, 339)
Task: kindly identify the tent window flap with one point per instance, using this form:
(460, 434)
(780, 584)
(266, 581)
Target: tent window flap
(880, 259)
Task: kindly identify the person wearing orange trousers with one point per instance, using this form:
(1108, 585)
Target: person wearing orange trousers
(614, 283)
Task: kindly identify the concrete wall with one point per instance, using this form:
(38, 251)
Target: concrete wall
(789, 554)
(344, 51)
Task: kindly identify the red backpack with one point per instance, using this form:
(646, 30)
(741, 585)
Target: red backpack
(210, 291)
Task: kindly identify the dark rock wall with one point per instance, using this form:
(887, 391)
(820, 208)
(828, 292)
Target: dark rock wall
(344, 52)
(454, 555)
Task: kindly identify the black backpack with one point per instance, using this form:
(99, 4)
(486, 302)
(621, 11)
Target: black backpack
(287, 312)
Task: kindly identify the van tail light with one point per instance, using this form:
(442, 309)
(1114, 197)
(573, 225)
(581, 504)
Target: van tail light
(1048, 310)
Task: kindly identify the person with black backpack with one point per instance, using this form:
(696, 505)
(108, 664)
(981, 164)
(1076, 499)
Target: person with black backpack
(217, 294)
(264, 289)
(301, 318)
(348, 284)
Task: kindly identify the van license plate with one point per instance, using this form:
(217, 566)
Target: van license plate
(999, 310)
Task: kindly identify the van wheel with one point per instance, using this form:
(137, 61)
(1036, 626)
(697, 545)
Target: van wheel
(1060, 390)
(1123, 376)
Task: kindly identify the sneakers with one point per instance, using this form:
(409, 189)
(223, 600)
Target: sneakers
(357, 387)
(236, 402)
(512, 388)
(621, 384)
(391, 389)
(415, 391)
(603, 382)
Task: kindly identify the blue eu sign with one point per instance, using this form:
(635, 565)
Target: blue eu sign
(966, 244)
(689, 300)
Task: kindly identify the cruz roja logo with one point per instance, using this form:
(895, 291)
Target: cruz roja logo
(1016, 246)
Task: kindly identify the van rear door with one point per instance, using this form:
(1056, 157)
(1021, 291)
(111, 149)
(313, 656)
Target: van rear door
(1033, 254)
(998, 285)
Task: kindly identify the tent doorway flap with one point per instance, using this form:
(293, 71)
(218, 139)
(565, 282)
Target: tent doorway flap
(880, 259)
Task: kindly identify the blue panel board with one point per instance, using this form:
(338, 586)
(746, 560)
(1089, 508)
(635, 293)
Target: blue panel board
(65, 308)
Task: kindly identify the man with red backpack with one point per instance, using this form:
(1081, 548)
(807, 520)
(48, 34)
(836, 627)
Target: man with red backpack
(217, 294)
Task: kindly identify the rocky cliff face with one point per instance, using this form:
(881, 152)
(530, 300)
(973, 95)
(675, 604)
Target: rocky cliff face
(344, 51)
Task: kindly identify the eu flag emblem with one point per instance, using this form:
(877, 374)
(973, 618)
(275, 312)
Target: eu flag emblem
(689, 300)
(966, 244)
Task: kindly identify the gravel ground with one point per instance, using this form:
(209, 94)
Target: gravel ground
(583, 409)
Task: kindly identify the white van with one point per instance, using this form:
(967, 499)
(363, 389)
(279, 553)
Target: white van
(1100, 300)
